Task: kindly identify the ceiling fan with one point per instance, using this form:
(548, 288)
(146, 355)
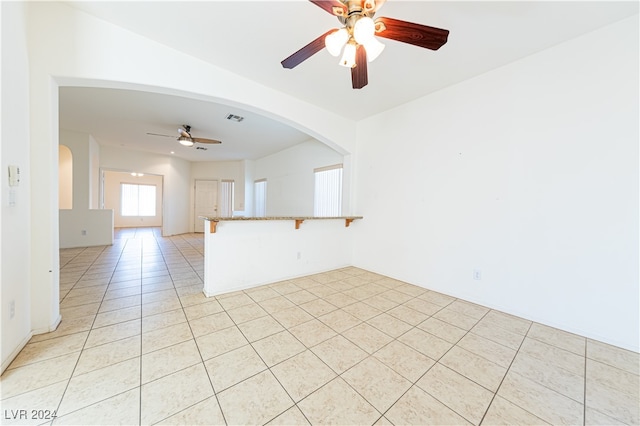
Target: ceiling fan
(185, 138)
(357, 39)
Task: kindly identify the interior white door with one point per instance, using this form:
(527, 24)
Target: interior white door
(206, 202)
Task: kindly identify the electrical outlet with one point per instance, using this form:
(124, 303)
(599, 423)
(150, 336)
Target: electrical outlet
(299, 255)
(83, 232)
(477, 274)
(12, 309)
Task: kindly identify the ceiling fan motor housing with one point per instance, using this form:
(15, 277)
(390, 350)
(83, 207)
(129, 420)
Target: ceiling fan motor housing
(355, 12)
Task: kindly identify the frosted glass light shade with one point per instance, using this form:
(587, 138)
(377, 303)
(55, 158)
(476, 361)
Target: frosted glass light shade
(336, 40)
(185, 141)
(349, 56)
(374, 48)
(364, 30)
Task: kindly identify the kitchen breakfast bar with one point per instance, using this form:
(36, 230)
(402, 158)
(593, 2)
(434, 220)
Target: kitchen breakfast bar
(245, 252)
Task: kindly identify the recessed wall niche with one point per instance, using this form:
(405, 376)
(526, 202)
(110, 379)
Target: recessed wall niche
(65, 177)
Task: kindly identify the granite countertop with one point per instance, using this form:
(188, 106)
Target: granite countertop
(220, 219)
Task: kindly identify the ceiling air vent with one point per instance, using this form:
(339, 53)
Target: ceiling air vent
(235, 118)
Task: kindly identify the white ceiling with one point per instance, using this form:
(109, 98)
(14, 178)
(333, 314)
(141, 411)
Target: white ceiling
(124, 117)
(250, 38)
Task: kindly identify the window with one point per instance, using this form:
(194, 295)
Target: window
(260, 197)
(226, 198)
(138, 200)
(328, 191)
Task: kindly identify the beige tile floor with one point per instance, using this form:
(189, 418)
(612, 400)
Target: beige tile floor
(140, 344)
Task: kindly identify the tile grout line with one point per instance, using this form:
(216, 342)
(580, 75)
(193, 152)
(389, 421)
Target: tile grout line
(83, 274)
(505, 376)
(518, 351)
(87, 338)
(306, 348)
(558, 366)
(437, 361)
(194, 341)
(92, 328)
(315, 317)
(285, 328)
(140, 360)
(455, 345)
(113, 272)
(249, 343)
(338, 375)
(584, 396)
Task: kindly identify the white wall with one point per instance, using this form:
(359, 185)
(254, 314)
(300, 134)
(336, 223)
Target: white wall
(86, 228)
(219, 170)
(83, 226)
(528, 173)
(69, 47)
(290, 178)
(94, 173)
(113, 197)
(78, 143)
(175, 173)
(15, 243)
(248, 253)
(249, 178)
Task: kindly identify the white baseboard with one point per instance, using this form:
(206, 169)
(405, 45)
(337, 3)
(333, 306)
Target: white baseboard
(23, 343)
(14, 354)
(50, 328)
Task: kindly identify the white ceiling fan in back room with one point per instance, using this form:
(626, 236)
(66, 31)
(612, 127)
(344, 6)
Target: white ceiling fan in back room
(185, 138)
(357, 38)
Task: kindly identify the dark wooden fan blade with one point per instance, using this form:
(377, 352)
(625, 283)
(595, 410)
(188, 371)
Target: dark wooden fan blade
(329, 5)
(306, 52)
(416, 34)
(359, 77)
(203, 140)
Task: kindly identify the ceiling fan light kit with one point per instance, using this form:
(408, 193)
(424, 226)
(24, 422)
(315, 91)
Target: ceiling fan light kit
(335, 41)
(349, 55)
(357, 41)
(374, 48)
(185, 138)
(364, 29)
(186, 141)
